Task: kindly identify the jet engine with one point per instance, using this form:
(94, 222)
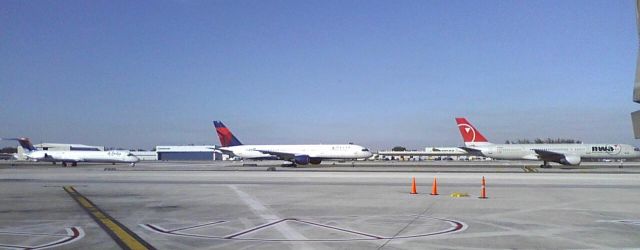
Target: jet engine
(570, 160)
(301, 159)
(315, 161)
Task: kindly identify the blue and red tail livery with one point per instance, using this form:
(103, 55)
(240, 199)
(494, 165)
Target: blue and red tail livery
(24, 143)
(227, 139)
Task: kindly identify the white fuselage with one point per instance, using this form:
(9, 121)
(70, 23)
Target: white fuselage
(584, 151)
(83, 156)
(319, 151)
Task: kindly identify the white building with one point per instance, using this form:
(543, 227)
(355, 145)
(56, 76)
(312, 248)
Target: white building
(146, 155)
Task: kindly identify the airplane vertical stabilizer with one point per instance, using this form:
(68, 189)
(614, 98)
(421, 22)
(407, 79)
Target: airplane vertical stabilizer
(470, 135)
(227, 139)
(25, 143)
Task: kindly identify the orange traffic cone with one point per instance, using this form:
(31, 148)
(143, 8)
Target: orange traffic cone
(414, 190)
(434, 188)
(483, 192)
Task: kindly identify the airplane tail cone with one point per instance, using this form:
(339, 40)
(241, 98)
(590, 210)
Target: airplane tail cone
(414, 190)
(434, 188)
(483, 192)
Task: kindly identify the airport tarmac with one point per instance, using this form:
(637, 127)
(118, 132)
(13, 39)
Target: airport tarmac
(178, 205)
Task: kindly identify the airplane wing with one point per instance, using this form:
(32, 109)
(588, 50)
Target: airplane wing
(225, 151)
(57, 157)
(70, 159)
(73, 159)
(472, 151)
(282, 155)
(549, 155)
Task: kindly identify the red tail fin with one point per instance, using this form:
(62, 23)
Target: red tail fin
(469, 133)
(227, 139)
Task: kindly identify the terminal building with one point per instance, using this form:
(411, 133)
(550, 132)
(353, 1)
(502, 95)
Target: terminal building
(429, 153)
(188, 153)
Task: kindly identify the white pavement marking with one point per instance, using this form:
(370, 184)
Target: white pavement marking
(629, 222)
(73, 234)
(266, 214)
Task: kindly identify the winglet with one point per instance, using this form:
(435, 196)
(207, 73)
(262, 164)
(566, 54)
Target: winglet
(470, 135)
(227, 139)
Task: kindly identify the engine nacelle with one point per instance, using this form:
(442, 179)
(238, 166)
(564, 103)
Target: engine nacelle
(488, 152)
(301, 159)
(315, 161)
(570, 160)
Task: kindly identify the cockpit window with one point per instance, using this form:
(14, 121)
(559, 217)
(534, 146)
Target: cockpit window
(365, 150)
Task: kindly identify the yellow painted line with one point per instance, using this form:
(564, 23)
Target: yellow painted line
(122, 235)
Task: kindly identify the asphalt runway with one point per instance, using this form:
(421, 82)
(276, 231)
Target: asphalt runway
(186, 205)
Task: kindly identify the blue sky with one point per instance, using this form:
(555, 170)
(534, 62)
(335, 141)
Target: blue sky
(136, 74)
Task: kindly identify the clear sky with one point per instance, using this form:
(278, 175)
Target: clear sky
(136, 74)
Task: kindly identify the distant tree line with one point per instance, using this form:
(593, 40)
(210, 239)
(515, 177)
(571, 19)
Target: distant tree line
(544, 141)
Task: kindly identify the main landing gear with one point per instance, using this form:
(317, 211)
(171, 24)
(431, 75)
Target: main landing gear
(545, 165)
(290, 165)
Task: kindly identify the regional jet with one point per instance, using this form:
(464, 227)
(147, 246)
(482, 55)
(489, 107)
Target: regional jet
(73, 157)
(296, 154)
(565, 154)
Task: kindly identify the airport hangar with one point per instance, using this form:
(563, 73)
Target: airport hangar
(187, 153)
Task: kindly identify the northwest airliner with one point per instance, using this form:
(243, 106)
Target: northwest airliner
(565, 154)
(296, 154)
(73, 157)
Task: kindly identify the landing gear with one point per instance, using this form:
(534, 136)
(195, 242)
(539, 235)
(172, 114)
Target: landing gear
(545, 165)
(53, 163)
(75, 164)
(133, 164)
(64, 164)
